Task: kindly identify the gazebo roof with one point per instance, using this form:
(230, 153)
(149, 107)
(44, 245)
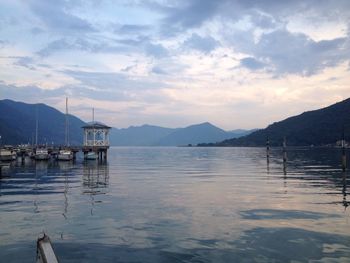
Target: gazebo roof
(95, 125)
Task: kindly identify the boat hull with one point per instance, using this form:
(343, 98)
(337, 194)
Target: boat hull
(42, 157)
(6, 158)
(6, 155)
(65, 157)
(91, 156)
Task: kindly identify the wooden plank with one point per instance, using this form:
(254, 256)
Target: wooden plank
(44, 251)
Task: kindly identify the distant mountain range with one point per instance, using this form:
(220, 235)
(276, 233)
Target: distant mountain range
(318, 127)
(148, 135)
(17, 125)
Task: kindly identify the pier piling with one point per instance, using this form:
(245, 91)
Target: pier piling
(284, 150)
(343, 151)
(284, 155)
(267, 150)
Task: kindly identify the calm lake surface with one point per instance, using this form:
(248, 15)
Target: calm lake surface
(180, 205)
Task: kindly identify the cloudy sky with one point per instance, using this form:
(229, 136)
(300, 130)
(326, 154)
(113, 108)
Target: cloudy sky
(234, 63)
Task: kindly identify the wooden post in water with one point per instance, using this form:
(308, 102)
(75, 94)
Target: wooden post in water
(345, 202)
(267, 149)
(284, 155)
(343, 151)
(284, 149)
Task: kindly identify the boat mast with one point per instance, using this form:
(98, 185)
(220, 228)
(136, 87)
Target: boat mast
(93, 120)
(36, 125)
(93, 114)
(66, 139)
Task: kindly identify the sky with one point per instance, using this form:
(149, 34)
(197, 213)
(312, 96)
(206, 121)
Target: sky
(234, 63)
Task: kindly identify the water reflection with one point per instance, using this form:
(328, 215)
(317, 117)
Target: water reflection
(95, 177)
(345, 202)
(95, 180)
(180, 205)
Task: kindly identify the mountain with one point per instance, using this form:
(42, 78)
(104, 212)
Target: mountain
(317, 127)
(149, 135)
(145, 135)
(18, 121)
(204, 132)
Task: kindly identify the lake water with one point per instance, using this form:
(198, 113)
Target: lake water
(180, 205)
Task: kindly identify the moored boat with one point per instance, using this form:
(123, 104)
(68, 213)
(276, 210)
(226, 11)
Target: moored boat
(91, 156)
(65, 155)
(6, 154)
(42, 154)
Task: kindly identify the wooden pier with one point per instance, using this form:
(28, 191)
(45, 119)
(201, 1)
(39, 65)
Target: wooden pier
(95, 145)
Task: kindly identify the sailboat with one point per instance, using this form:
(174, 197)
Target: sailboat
(41, 153)
(6, 154)
(66, 154)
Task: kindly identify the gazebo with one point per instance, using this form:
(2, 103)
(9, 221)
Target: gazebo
(96, 139)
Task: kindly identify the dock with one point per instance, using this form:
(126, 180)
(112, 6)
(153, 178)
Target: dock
(95, 145)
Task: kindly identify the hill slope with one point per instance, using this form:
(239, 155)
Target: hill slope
(318, 127)
(18, 119)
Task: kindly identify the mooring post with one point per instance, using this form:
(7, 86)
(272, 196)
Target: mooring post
(284, 155)
(345, 202)
(267, 150)
(343, 151)
(284, 149)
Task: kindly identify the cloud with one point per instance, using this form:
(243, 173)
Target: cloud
(29, 93)
(102, 81)
(291, 53)
(156, 50)
(132, 29)
(203, 44)
(298, 54)
(27, 62)
(251, 63)
(159, 70)
(2, 43)
(57, 16)
(120, 46)
(263, 21)
(169, 67)
(136, 52)
(179, 16)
